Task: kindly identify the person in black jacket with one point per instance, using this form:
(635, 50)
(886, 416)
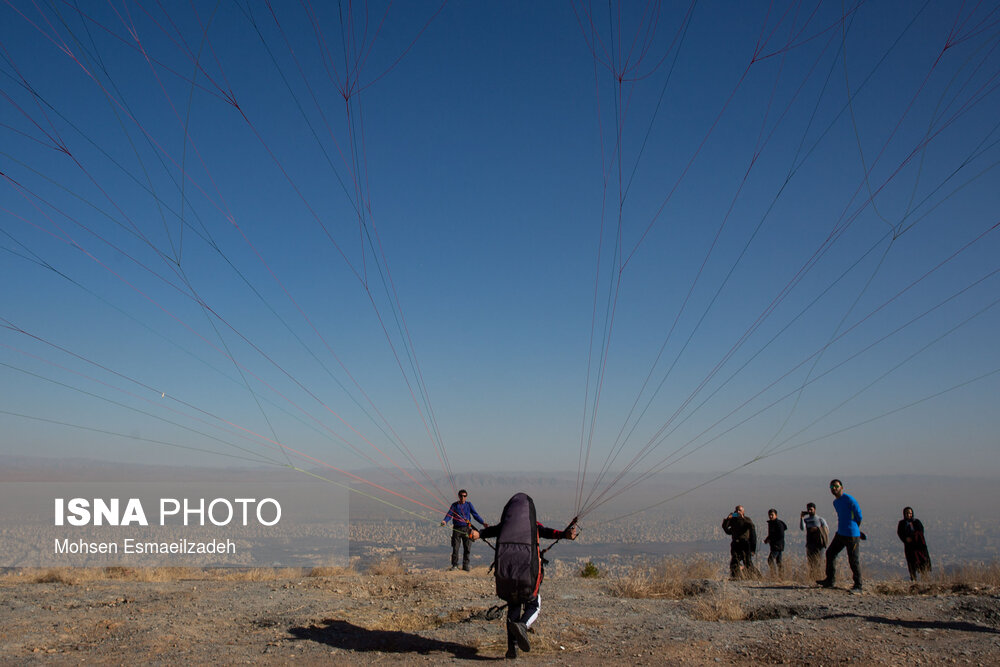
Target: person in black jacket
(911, 533)
(518, 565)
(743, 545)
(776, 540)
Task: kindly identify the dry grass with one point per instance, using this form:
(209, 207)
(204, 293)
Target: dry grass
(671, 578)
(722, 605)
(331, 571)
(975, 574)
(262, 574)
(387, 567)
(82, 575)
(969, 578)
(796, 570)
(53, 576)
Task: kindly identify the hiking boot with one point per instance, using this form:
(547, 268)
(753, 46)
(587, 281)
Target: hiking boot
(520, 634)
(825, 583)
(511, 642)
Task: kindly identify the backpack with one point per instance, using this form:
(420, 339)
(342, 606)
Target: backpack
(517, 564)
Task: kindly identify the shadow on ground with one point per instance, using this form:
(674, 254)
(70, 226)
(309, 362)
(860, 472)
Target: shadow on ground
(344, 635)
(961, 626)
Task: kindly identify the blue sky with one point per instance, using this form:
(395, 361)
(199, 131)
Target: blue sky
(220, 277)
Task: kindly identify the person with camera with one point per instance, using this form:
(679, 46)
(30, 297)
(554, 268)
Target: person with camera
(743, 545)
(817, 537)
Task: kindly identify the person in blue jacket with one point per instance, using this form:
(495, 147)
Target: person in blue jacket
(461, 513)
(848, 536)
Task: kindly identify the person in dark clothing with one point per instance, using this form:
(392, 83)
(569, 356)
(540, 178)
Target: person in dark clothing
(743, 545)
(461, 514)
(519, 566)
(911, 533)
(776, 540)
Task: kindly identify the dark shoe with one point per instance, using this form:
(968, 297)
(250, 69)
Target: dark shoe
(857, 590)
(511, 642)
(466, 567)
(453, 567)
(520, 632)
(825, 583)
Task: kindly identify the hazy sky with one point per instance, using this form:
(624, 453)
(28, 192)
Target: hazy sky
(516, 236)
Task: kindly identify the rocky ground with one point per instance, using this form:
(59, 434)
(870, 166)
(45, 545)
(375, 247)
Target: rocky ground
(402, 617)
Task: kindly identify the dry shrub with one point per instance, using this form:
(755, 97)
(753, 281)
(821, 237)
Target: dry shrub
(387, 567)
(795, 569)
(722, 605)
(61, 575)
(335, 570)
(671, 578)
(968, 578)
(152, 573)
(261, 574)
(79, 575)
(330, 571)
(971, 575)
(701, 569)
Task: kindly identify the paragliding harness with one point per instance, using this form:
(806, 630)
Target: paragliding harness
(517, 561)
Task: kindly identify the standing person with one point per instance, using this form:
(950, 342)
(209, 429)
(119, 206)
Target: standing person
(461, 514)
(518, 565)
(848, 537)
(743, 545)
(817, 537)
(776, 540)
(911, 532)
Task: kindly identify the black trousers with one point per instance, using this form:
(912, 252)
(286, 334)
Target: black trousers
(740, 554)
(520, 612)
(524, 613)
(460, 537)
(838, 544)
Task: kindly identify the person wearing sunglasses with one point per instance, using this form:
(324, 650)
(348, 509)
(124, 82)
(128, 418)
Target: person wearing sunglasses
(848, 537)
(461, 513)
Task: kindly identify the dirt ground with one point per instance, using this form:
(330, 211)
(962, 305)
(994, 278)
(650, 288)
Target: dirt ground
(432, 617)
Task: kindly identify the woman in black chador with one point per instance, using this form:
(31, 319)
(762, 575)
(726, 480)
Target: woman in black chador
(911, 532)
